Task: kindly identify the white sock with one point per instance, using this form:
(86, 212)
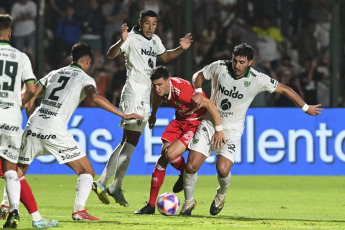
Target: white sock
(122, 164)
(110, 168)
(5, 198)
(36, 216)
(13, 189)
(189, 182)
(223, 184)
(84, 186)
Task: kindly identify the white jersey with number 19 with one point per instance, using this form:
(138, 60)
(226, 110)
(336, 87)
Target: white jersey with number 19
(64, 91)
(15, 68)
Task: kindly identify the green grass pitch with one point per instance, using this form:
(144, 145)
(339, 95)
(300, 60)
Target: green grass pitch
(253, 202)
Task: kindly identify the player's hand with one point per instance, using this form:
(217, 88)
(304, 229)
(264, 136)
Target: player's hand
(152, 121)
(186, 41)
(124, 32)
(197, 99)
(132, 116)
(314, 110)
(218, 139)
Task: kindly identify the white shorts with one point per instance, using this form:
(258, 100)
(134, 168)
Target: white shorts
(10, 140)
(37, 142)
(139, 107)
(202, 141)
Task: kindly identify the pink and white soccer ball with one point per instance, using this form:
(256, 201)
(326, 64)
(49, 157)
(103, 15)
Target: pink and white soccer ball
(168, 204)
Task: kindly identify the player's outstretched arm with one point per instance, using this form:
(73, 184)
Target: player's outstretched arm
(156, 102)
(313, 110)
(197, 80)
(185, 43)
(103, 103)
(114, 50)
(218, 138)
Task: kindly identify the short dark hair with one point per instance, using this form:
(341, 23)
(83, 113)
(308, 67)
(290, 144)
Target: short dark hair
(80, 50)
(244, 50)
(5, 21)
(159, 72)
(149, 13)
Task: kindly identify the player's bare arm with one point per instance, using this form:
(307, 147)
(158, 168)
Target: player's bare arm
(28, 93)
(184, 42)
(313, 110)
(103, 103)
(197, 80)
(218, 138)
(156, 102)
(114, 50)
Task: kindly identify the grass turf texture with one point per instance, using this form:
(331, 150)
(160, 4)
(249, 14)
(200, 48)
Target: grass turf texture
(253, 202)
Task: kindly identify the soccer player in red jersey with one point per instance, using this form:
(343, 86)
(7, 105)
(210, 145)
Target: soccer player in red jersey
(178, 94)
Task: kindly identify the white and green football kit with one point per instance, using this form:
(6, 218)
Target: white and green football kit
(232, 98)
(141, 56)
(15, 68)
(47, 130)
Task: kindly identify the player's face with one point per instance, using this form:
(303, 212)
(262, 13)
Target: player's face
(240, 65)
(148, 26)
(161, 86)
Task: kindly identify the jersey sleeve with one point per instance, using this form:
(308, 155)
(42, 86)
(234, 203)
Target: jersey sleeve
(211, 70)
(268, 84)
(89, 81)
(44, 81)
(124, 47)
(161, 48)
(28, 75)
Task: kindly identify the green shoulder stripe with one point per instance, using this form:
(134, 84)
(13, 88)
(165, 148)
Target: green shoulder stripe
(41, 84)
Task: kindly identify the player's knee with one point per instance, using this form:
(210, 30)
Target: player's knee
(223, 172)
(191, 169)
(170, 154)
(86, 171)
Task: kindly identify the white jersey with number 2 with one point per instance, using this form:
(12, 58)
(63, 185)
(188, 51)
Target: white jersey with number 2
(64, 91)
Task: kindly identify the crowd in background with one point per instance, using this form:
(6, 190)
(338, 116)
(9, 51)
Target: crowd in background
(291, 38)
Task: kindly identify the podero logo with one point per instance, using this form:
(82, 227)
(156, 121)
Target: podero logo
(225, 104)
(150, 63)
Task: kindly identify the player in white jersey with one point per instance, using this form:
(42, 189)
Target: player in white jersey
(15, 68)
(234, 85)
(141, 48)
(47, 130)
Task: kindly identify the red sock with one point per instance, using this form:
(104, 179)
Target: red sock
(26, 196)
(158, 176)
(179, 164)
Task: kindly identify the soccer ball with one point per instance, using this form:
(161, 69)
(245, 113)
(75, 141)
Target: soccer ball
(168, 204)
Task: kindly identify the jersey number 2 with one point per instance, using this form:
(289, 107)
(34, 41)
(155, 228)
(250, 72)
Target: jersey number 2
(64, 81)
(11, 69)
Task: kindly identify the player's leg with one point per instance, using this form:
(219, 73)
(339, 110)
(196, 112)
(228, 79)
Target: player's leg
(195, 160)
(83, 168)
(157, 180)
(13, 191)
(129, 142)
(28, 199)
(225, 159)
(100, 186)
(224, 166)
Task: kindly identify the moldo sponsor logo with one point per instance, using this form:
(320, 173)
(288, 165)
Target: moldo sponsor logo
(9, 127)
(39, 135)
(232, 93)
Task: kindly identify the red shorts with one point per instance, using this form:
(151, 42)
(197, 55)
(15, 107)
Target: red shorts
(182, 131)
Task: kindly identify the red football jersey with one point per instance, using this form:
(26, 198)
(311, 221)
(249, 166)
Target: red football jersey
(180, 98)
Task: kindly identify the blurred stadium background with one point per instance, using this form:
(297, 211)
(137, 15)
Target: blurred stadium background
(299, 42)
